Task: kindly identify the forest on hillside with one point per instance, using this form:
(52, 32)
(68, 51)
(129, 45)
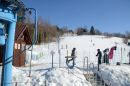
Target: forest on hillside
(48, 32)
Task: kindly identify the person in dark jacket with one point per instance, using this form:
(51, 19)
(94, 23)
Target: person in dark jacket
(73, 55)
(106, 56)
(73, 52)
(99, 54)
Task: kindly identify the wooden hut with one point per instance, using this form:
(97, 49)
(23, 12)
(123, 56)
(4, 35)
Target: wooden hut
(22, 38)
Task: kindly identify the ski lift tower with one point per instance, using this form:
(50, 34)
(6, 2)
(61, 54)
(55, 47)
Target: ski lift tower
(8, 19)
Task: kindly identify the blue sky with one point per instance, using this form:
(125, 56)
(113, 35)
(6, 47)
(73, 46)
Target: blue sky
(105, 15)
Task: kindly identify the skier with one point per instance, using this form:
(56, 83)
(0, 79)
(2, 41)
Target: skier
(99, 54)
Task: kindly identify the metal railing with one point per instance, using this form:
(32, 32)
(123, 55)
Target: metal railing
(84, 63)
(91, 77)
(91, 64)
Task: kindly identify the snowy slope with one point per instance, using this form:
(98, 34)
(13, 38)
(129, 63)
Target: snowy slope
(85, 45)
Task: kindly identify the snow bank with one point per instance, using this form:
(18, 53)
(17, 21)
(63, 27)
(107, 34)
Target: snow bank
(52, 77)
(61, 77)
(115, 75)
(20, 77)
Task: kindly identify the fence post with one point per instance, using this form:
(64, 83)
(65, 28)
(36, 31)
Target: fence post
(52, 53)
(85, 63)
(45, 82)
(121, 55)
(16, 84)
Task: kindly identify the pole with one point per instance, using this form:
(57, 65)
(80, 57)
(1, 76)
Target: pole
(58, 38)
(8, 55)
(92, 70)
(34, 37)
(8, 15)
(52, 53)
(30, 66)
(52, 60)
(98, 66)
(129, 56)
(67, 49)
(121, 54)
(85, 63)
(36, 25)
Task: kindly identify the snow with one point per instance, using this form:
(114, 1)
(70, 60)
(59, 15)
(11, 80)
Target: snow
(115, 75)
(52, 77)
(61, 77)
(85, 45)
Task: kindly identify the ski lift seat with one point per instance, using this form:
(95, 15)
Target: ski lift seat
(2, 37)
(67, 61)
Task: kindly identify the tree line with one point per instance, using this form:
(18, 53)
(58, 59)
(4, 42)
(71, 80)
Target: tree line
(93, 31)
(48, 32)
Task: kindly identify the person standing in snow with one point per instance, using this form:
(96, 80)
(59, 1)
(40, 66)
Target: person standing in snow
(73, 52)
(73, 55)
(99, 54)
(111, 53)
(106, 56)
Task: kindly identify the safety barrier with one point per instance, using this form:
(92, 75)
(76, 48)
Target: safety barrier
(90, 71)
(94, 79)
(88, 75)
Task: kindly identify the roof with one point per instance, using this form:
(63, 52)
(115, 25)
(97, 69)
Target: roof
(22, 30)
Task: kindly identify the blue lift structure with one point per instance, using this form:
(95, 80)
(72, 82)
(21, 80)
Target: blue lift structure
(8, 20)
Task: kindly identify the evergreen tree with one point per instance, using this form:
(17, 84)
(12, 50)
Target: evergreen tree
(92, 31)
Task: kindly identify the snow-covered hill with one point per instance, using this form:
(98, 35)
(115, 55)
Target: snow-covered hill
(86, 45)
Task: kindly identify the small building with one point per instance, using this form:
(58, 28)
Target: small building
(22, 38)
